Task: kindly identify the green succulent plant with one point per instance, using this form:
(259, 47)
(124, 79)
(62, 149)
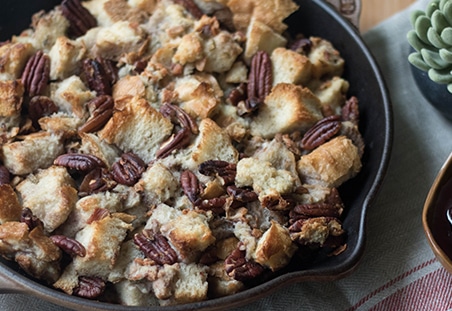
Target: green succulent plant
(431, 38)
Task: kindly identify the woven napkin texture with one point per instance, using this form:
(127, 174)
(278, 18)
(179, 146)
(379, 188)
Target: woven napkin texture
(398, 270)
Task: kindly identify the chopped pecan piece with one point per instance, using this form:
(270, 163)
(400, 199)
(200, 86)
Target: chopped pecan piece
(350, 111)
(98, 214)
(241, 269)
(178, 115)
(191, 7)
(178, 141)
(321, 132)
(191, 186)
(242, 194)
(260, 80)
(224, 16)
(101, 109)
(69, 245)
(96, 77)
(36, 74)
(31, 220)
(155, 247)
(39, 107)
(128, 169)
(89, 287)
(224, 169)
(301, 45)
(97, 180)
(238, 94)
(317, 210)
(79, 162)
(5, 177)
(80, 19)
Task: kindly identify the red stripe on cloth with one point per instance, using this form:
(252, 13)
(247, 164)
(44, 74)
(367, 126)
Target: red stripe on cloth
(431, 292)
(391, 283)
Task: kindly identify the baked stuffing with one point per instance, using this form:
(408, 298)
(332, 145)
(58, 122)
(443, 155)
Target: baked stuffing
(171, 151)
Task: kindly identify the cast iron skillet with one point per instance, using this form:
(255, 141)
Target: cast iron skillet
(315, 17)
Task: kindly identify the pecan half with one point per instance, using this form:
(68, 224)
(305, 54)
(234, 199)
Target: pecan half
(216, 205)
(5, 176)
(260, 80)
(178, 115)
(191, 186)
(128, 169)
(317, 210)
(238, 267)
(96, 77)
(79, 162)
(69, 245)
(36, 74)
(31, 220)
(225, 170)
(242, 194)
(178, 141)
(321, 132)
(191, 7)
(80, 19)
(40, 106)
(97, 180)
(110, 69)
(350, 110)
(101, 109)
(155, 247)
(89, 287)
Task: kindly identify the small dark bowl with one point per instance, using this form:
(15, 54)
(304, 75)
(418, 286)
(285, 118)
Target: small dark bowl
(434, 220)
(436, 94)
(314, 18)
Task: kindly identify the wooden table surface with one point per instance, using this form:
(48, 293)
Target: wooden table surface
(374, 11)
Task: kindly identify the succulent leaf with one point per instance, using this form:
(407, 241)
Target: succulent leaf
(446, 35)
(440, 76)
(435, 39)
(415, 42)
(421, 26)
(416, 60)
(432, 59)
(431, 38)
(446, 55)
(439, 21)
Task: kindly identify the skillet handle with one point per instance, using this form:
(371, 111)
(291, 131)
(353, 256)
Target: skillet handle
(350, 9)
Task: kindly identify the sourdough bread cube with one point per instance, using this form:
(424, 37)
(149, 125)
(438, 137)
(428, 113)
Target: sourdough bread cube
(11, 97)
(220, 283)
(290, 67)
(325, 59)
(198, 94)
(286, 109)
(13, 57)
(92, 144)
(157, 184)
(50, 194)
(316, 230)
(127, 254)
(331, 163)
(11, 208)
(102, 240)
(37, 150)
(160, 215)
(263, 177)
(129, 86)
(137, 127)
(65, 56)
(192, 284)
(70, 95)
(261, 38)
(190, 49)
(189, 233)
(237, 74)
(120, 38)
(60, 124)
(131, 293)
(275, 248)
(48, 26)
(212, 143)
(332, 93)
